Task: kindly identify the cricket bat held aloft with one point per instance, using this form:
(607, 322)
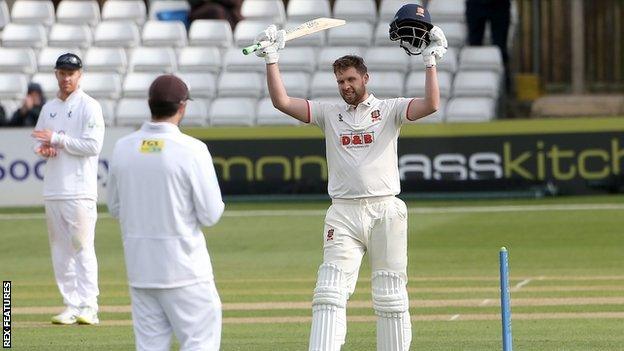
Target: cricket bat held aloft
(313, 26)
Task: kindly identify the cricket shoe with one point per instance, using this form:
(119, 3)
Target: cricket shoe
(88, 316)
(66, 317)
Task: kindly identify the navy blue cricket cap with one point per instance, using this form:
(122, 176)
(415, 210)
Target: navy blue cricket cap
(413, 12)
(68, 61)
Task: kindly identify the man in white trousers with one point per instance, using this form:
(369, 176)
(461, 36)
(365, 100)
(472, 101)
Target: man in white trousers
(69, 133)
(365, 216)
(163, 188)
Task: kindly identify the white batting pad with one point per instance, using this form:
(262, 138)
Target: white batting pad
(394, 328)
(329, 319)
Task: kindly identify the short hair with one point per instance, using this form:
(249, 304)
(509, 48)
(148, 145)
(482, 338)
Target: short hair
(163, 109)
(347, 61)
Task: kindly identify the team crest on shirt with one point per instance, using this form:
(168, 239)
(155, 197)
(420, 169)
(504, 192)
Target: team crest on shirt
(330, 234)
(376, 116)
(150, 146)
(69, 114)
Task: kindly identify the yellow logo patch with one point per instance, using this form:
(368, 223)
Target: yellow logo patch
(152, 146)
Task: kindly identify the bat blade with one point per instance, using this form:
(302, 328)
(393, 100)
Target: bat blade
(313, 26)
(306, 28)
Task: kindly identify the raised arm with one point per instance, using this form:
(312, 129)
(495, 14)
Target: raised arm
(295, 107)
(421, 107)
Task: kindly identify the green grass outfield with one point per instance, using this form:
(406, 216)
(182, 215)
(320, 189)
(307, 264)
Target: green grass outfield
(566, 264)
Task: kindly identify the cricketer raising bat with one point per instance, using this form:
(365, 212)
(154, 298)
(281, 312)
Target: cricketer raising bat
(313, 26)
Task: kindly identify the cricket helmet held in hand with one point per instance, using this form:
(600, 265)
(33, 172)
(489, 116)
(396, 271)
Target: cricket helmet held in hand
(411, 26)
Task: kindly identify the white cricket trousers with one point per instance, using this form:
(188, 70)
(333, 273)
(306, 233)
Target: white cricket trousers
(192, 312)
(376, 225)
(71, 231)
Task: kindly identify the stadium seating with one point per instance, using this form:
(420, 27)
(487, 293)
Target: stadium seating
(415, 84)
(164, 33)
(269, 115)
(127, 44)
(303, 10)
(196, 112)
(24, 35)
(159, 9)
(232, 111)
(33, 12)
(235, 61)
(379, 59)
(323, 85)
(105, 59)
(124, 10)
(116, 34)
(454, 32)
(13, 86)
(78, 12)
(462, 109)
(152, 59)
(476, 84)
(200, 85)
(70, 35)
(102, 85)
(266, 10)
(5, 15)
(18, 60)
(132, 112)
(447, 10)
(136, 84)
(352, 33)
(199, 59)
(481, 58)
(328, 55)
(211, 33)
(237, 84)
(108, 111)
(380, 36)
(296, 83)
(386, 85)
(298, 59)
(356, 10)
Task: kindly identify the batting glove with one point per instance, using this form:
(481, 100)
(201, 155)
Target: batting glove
(274, 40)
(436, 49)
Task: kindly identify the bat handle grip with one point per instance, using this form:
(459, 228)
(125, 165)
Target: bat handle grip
(255, 47)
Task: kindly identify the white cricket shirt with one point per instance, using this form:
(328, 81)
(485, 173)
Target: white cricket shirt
(78, 128)
(163, 187)
(361, 145)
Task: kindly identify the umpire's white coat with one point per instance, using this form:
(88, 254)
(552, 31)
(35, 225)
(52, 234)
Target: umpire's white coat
(163, 187)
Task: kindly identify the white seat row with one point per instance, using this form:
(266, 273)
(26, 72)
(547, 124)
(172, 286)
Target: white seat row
(88, 11)
(230, 111)
(209, 59)
(77, 11)
(252, 84)
(221, 111)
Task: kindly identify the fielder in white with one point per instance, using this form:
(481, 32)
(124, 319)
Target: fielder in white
(365, 216)
(69, 133)
(163, 187)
